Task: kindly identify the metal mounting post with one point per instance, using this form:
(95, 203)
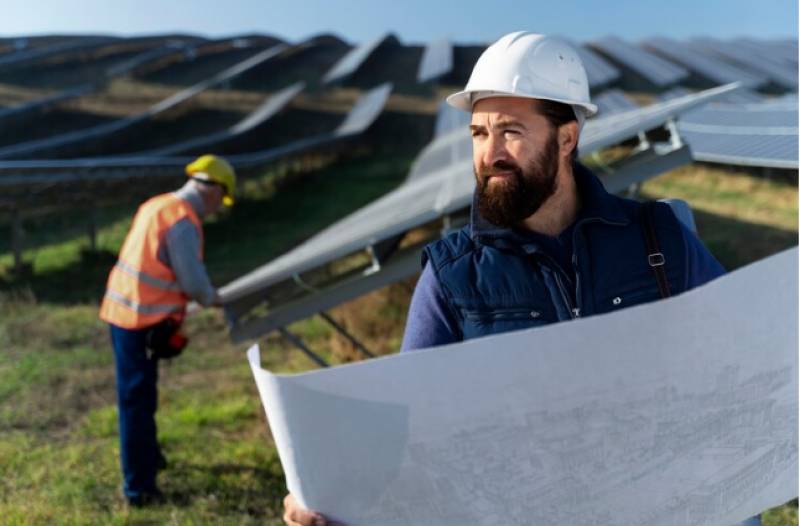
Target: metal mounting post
(16, 238)
(341, 330)
(674, 135)
(303, 347)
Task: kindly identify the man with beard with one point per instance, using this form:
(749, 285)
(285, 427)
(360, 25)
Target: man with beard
(546, 242)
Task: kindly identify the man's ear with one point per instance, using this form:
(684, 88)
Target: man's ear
(567, 138)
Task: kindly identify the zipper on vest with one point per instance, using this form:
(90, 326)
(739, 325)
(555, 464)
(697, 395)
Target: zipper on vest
(575, 312)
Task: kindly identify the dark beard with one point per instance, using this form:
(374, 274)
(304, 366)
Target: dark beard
(523, 193)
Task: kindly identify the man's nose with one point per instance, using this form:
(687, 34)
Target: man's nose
(494, 149)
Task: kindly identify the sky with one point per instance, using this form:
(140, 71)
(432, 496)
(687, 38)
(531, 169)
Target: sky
(413, 21)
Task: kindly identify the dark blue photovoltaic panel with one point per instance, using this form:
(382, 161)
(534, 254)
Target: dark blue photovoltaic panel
(782, 74)
(613, 101)
(655, 69)
(598, 70)
(711, 68)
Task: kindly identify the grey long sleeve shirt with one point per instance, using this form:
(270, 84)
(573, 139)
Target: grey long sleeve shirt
(181, 251)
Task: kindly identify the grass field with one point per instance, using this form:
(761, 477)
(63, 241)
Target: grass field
(58, 436)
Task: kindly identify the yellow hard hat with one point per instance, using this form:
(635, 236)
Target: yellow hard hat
(217, 170)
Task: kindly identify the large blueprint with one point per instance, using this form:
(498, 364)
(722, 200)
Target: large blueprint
(678, 412)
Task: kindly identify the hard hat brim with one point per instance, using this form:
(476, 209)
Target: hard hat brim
(463, 100)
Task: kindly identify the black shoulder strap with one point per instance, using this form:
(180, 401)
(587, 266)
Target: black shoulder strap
(654, 256)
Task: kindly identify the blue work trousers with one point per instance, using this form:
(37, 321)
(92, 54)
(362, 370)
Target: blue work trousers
(137, 400)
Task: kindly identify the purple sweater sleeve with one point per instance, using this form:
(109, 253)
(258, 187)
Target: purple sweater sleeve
(430, 322)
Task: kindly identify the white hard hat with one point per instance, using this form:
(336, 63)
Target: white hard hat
(532, 66)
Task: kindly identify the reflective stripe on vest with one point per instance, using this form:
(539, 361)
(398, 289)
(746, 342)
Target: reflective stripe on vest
(144, 309)
(146, 278)
(142, 290)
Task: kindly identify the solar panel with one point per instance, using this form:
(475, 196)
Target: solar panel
(442, 188)
(785, 98)
(45, 102)
(598, 70)
(365, 111)
(653, 68)
(784, 51)
(437, 60)
(38, 53)
(448, 119)
(613, 101)
(674, 93)
(74, 137)
(783, 75)
(269, 108)
(711, 68)
(145, 57)
(748, 134)
(348, 64)
(742, 96)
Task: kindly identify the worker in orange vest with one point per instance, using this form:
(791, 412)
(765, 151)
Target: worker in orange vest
(159, 269)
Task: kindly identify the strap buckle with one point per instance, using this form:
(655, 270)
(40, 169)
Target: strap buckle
(656, 260)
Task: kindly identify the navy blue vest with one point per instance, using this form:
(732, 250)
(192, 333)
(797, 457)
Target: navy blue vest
(497, 280)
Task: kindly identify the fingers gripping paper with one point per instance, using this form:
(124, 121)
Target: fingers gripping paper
(677, 412)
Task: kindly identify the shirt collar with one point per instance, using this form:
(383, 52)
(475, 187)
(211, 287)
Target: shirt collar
(189, 192)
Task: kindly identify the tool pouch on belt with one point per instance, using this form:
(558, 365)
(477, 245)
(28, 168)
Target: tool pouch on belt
(165, 340)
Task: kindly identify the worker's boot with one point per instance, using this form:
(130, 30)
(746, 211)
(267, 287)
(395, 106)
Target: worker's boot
(147, 498)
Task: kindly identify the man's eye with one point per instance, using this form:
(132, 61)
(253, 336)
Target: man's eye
(477, 133)
(511, 132)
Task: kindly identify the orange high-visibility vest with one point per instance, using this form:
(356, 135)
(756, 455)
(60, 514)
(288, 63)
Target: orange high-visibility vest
(141, 290)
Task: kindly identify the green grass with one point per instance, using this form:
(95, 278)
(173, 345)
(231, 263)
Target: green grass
(58, 424)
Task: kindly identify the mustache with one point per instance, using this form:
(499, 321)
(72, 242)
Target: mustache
(499, 167)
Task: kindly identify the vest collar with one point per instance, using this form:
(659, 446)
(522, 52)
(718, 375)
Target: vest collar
(596, 205)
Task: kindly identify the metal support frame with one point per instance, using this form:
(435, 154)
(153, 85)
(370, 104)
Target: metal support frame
(341, 330)
(403, 265)
(675, 139)
(16, 238)
(644, 142)
(645, 165)
(298, 342)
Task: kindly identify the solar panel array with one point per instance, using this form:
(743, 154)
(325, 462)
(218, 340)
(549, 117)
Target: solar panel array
(711, 68)
(362, 115)
(653, 68)
(663, 61)
(26, 55)
(74, 137)
(783, 75)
